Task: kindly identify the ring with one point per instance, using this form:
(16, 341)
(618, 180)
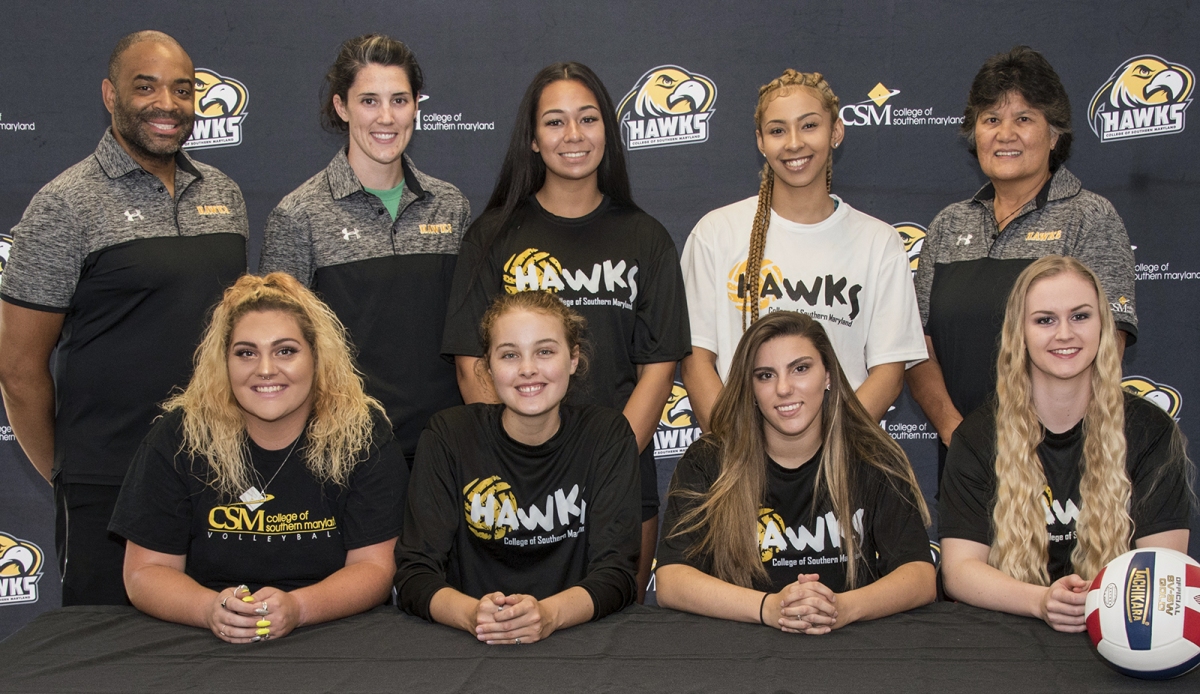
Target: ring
(241, 588)
(223, 601)
(517, 642)
(221, 633)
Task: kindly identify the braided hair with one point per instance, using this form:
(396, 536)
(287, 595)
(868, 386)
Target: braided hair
(762, 218)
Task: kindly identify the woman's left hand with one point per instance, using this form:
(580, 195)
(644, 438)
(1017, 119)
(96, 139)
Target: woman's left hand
(277, 611)
(807, 606)
(521, 619)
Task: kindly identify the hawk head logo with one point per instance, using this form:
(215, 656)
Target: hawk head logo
(913, 236)
(1146, 80)
(678, 410)
(669, 90)
(218, 96)
(1166, 397)
(19, 557)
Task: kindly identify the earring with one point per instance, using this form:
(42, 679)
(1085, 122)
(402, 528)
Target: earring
(835, 145)
(827, 386)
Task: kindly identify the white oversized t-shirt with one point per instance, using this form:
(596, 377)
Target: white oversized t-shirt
(849, 272)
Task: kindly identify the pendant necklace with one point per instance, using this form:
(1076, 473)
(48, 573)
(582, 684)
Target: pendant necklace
(252, 497)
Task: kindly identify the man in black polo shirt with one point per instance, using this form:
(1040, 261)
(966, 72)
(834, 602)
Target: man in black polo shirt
(115, 262)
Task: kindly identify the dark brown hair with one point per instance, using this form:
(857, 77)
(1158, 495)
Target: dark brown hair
(353, 56)
(1027, 72)
(851, 440)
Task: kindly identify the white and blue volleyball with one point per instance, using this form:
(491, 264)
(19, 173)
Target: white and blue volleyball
(1143, 613)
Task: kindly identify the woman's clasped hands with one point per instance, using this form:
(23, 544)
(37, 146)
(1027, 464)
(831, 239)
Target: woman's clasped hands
(804, 607)
(239, 616)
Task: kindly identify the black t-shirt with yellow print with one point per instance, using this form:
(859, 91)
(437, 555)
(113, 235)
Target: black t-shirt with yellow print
(1159, 485)
(297, 537)
(488, 513)
(798, 532)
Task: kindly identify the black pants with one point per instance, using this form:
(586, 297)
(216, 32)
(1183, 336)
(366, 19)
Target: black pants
(89, 557)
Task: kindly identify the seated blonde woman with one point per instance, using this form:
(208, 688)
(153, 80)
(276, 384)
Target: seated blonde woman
(1064, 471)
(270, 494)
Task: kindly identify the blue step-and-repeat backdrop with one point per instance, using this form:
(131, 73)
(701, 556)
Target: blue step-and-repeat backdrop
(902, 71)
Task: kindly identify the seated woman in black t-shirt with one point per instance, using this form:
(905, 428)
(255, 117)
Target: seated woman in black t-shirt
(1079, 472)
(523, 516)
(211, 502)
(840, 519)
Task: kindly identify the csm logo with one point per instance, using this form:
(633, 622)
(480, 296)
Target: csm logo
(447, 121)
(667, 106)
(677, 427)
(21, 565)
(1146, 96)
(876, 111)
(220, 110)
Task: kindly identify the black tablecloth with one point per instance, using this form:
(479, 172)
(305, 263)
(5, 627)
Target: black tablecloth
(944, 647)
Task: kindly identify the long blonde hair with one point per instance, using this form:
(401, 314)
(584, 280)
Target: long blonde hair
(727, 514)
(1103, 529)
(340, 427)
(762, 217)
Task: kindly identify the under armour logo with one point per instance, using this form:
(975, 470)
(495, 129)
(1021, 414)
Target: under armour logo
(346, 234)
(136, 214)
(964, 240)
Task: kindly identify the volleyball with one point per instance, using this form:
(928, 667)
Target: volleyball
(1143, 613)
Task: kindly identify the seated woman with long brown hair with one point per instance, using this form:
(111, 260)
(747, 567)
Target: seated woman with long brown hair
(1063, 472)
(223, 533)
(796, 510)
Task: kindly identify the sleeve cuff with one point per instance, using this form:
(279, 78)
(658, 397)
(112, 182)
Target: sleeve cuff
(33, 306)
(1131, 330)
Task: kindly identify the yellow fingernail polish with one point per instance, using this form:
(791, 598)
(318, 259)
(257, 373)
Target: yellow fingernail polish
(248, 599)
(262, 632)
(263, 623)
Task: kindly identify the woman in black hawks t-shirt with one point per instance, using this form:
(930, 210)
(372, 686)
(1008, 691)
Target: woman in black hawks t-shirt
(793, 454)
(524, 515)
(1063, 471)
(270, 494)
(562, 219)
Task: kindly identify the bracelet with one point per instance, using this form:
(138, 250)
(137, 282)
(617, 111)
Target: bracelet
(760, 610)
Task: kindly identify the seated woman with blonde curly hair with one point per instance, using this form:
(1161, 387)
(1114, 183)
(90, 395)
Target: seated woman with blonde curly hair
(1063, 472)
(222, 532)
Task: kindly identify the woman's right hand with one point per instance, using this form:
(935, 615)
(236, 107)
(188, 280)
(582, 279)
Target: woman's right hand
(1062, 604)
(233, 620)
(804, 607)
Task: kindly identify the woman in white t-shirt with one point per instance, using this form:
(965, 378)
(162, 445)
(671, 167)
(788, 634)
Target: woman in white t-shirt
(823, 258)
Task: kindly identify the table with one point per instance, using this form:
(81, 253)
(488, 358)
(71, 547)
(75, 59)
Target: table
(944, 647)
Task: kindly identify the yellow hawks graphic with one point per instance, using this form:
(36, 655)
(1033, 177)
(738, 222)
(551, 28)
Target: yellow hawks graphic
(21, 565)
(218, 96)
(667, 106)
(483, 501)
(1160, 394)
(770, 275)
(220, 109)
(528, 269)
(1145, 96)
(913, 236)
(669, 90)
(18, 557)
(678, 410)
(766, 518)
